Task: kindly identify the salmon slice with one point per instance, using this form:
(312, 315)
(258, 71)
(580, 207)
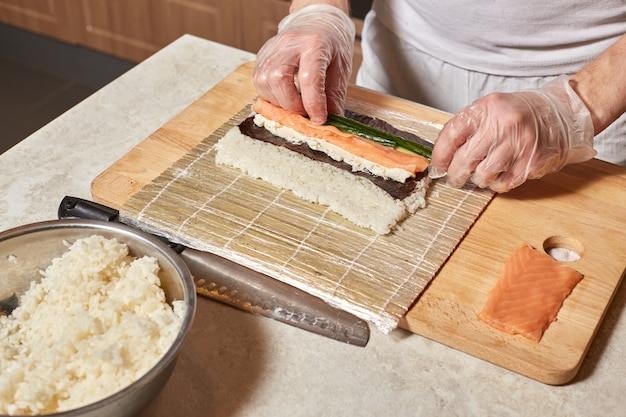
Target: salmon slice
(356, 145)
(529, 293)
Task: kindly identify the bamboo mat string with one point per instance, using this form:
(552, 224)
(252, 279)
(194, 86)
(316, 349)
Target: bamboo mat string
(428, 247)
(301, 244)
(183, 226)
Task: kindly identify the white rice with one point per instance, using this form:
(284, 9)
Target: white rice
(96, 322)
(355, 198)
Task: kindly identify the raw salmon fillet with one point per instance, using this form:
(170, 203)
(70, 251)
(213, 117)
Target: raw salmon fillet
(356, 145)
(529, 293)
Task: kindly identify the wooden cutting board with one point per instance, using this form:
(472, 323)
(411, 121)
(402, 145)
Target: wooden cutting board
(582, 208)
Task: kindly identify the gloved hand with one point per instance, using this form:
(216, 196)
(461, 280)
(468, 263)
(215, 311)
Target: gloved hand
(503, 139)
(313, 48)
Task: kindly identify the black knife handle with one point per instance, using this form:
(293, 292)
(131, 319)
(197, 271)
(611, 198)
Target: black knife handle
(78, 208)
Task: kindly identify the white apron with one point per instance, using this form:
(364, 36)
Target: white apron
(395, 65)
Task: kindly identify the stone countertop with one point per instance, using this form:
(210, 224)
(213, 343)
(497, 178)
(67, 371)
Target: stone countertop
(237, 364)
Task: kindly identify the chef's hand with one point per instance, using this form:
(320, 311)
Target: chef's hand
(306, 67)
(503, 139)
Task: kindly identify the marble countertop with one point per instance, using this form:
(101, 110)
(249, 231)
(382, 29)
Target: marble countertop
(237, 364)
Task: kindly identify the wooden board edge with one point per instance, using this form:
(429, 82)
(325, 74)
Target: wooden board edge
(556, 373)
(129, 185)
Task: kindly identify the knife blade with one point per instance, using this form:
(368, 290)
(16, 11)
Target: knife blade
(225, 281)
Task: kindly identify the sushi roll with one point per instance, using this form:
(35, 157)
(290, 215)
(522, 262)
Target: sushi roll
(372, 185)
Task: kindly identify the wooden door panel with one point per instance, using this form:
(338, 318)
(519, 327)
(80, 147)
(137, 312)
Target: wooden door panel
(121, 28)
(136, 29)
(259, 21)
(216, 20)
(45, 17)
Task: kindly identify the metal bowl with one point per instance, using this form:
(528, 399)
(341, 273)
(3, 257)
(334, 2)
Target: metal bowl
(26, 250)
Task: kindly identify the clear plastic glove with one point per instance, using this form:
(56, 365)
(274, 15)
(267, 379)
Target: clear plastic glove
(503, 139)
(306, 67)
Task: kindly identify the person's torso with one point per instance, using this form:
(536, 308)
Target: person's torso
(507, 37)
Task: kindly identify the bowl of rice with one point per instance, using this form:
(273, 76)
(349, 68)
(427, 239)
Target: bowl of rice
(93, 316)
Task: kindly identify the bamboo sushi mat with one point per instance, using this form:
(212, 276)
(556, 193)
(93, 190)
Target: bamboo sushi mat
(217, 209)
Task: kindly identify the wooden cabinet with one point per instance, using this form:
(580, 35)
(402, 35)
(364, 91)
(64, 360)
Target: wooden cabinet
(135, 29)
(48, 17)
(260, 22)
